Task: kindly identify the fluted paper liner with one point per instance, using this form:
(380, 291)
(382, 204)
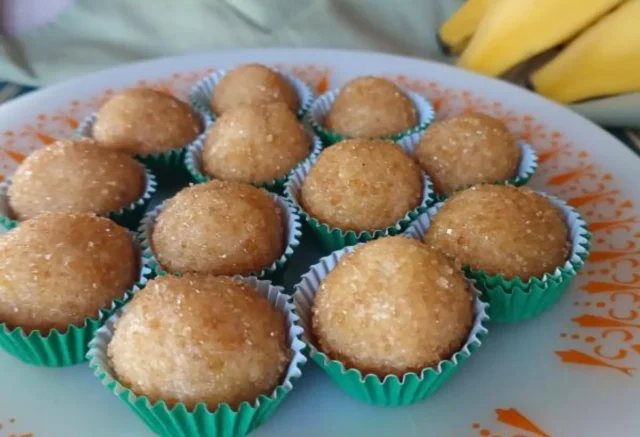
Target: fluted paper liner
(292, 235)
(167, 166)
(224, 421)
(201, 93)
(517, 300)
(391, 390)
(193, 164)
(334, 238)
(322, 105)
(128, 216)
(66, 348)
(526, 168)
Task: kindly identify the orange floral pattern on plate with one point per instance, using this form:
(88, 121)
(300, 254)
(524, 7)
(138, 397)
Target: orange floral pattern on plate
(509, 423)
(603, 334)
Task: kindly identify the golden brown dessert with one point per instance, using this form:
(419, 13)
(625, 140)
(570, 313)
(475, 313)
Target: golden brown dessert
(362, 185)
(501, 229)
(255, 144)
(58, 269)
(222, 228)
(200, 338)
(392, 306)
(75, 176)
(252, 84)
(467, 150)
(371, 107)
(145, 121)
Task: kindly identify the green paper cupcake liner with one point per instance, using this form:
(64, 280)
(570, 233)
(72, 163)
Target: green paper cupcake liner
(391, 390)
(333, 238)
(193, 164)
(292, 235)
(526, 168)
(201, 93)
(128, 216)
(168, 167)
(517, 300)
(61, 349)
(224, 421)
(322, 105)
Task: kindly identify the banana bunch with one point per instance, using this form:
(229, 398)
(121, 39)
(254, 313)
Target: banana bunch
(598, 41)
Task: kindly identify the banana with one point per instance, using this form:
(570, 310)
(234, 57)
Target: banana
(456, 32)
(604, 60)
(512, 31)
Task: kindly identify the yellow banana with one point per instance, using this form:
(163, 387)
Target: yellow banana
(604, 60)
(512, 31)
(456, 32)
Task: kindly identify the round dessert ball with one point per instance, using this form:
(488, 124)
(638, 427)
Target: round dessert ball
(501, 229)
(467, 150)
(252, 84)
(392, 306)
(362, 185)
(145, 121)
(75, 176)
(223, 228)
(255, 144)
(371, 107)
(200, 338)
(58, 269)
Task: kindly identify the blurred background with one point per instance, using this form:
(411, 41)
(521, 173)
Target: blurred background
(580, 53)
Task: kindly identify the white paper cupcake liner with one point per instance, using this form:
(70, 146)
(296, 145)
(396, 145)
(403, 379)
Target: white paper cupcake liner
(193, 163)
(526, 168)
(322, 105)
(200, 95)
(292, 227)
(190, 422)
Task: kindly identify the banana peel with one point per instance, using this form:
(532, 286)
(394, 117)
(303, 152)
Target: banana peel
(456, 32)
(604, 60)
(512, 31)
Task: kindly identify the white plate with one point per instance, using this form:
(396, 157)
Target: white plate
(555, 376)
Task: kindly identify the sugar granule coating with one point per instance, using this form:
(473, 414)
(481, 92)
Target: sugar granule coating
(252, 84)
(58, 269)
(362, 185)
(75, 176)
(392, 306)
(200, 338)
(223, 228)
(371, 107)
(145, 121)
(255, 144)
(503, 230)
(467, 150)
